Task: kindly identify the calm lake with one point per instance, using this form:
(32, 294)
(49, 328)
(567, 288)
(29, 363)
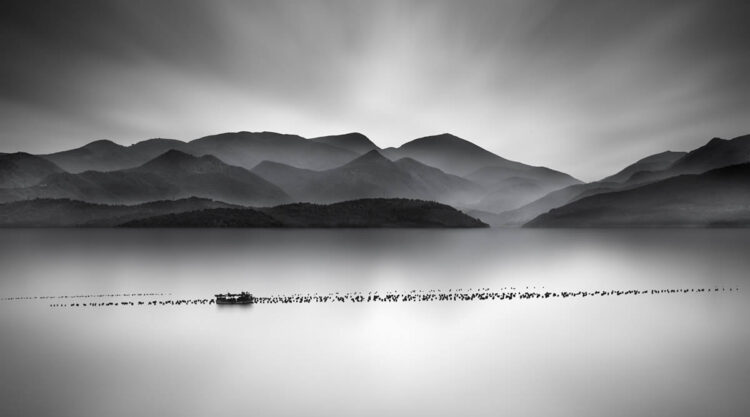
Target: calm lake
(661, 355)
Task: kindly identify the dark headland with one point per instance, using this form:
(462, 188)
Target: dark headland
(363, 213)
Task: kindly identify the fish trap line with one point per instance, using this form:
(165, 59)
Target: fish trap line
(76, 296)
(413, 296)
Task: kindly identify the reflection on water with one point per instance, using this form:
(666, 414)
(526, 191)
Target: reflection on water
(655, 355)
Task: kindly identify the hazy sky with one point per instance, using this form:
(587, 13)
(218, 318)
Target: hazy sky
(581, 86)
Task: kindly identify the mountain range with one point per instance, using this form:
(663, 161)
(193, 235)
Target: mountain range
(719, 197)
(717, 153)
(171, 175)
(370, 175)
(18, 170)
(245, 149)
(238, 170)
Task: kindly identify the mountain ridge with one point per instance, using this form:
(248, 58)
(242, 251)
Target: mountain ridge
(21, 169)
(367, 176)
(361, 213)
(76, 213)
(354, 141)
(716, 197)
(172, 175)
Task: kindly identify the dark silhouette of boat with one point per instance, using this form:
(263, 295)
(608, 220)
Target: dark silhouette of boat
(242, 298)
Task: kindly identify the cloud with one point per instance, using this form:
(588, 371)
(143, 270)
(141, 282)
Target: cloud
(585, 87)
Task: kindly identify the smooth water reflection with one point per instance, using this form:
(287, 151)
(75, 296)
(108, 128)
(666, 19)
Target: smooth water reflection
(683, 355)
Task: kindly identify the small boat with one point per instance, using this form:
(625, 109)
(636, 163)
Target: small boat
(242, 298)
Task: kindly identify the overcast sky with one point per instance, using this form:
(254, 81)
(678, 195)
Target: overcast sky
(585, 87)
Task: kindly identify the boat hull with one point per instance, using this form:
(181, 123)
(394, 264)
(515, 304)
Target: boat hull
(229, 302)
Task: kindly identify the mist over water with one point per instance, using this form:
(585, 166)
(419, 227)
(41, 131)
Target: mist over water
(680, 354)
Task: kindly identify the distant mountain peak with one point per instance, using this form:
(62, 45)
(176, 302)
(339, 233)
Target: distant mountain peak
(666, 155)
(102, 144)
(174, 159)
(444, 138)
(25, 157)
(153, 141)
(447, 142)
(175, 155)
(662, 153)
(21, 169)
(246, 135)
(16, 156)
(411, 161)
(652, 163)
(370, 157)
(374, 154)
(447, 135)
(266, 163)
(354, 141)
(714, 154)
(451, 154)
(355, 135)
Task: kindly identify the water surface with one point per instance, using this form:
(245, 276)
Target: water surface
(681, 355)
